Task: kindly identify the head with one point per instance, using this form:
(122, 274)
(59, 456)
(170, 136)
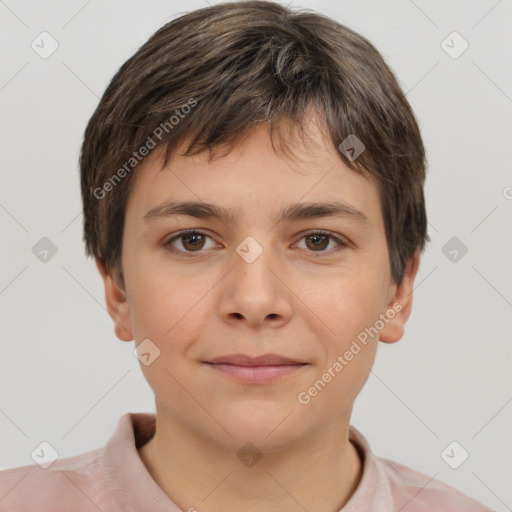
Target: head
(252, 108)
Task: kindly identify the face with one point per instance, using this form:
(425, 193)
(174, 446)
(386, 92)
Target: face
(259, 317)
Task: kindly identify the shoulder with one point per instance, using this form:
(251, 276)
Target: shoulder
(424, 493)
(72, 483)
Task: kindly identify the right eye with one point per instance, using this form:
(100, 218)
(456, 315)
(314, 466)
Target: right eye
(191, 241)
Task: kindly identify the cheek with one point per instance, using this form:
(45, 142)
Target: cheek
(337, 385)
(169, 309)
(158, 298)
(350, 308)
(348, 305)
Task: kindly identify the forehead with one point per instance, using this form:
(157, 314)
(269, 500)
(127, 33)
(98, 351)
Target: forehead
(254, 175)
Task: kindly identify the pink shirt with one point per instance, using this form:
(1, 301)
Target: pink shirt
(114, 479)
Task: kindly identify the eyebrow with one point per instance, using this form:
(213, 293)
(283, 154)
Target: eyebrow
(296, 211)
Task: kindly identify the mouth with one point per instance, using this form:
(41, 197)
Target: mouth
(255, 370)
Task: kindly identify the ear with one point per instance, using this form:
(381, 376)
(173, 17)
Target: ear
(117, 304)
(400, 303)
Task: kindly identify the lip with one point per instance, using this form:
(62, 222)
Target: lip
(246, 360)
(255, 370)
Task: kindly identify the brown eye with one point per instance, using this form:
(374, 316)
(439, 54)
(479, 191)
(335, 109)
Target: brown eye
(188, 242)
(318, 241)
(192, 242)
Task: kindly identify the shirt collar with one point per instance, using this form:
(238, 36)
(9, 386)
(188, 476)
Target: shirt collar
(124, 470)
(136, 490)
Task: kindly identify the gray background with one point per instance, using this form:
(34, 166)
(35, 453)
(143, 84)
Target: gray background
(66, 379)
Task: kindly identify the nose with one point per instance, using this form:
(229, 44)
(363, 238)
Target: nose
(255, 291)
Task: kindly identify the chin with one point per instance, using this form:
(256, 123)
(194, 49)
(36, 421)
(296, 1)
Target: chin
(268, 426)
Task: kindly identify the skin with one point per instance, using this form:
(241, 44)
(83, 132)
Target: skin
(295, 299)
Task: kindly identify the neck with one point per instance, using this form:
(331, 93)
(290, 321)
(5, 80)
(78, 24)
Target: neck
(316, 474)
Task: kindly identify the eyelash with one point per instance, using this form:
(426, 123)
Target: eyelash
(341, 244)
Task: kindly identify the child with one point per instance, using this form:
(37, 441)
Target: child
(256, 277)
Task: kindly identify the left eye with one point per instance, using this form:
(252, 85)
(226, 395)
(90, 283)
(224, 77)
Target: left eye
(194, 241)
(320, 240)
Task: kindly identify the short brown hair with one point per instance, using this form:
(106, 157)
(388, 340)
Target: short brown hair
(221, 71)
